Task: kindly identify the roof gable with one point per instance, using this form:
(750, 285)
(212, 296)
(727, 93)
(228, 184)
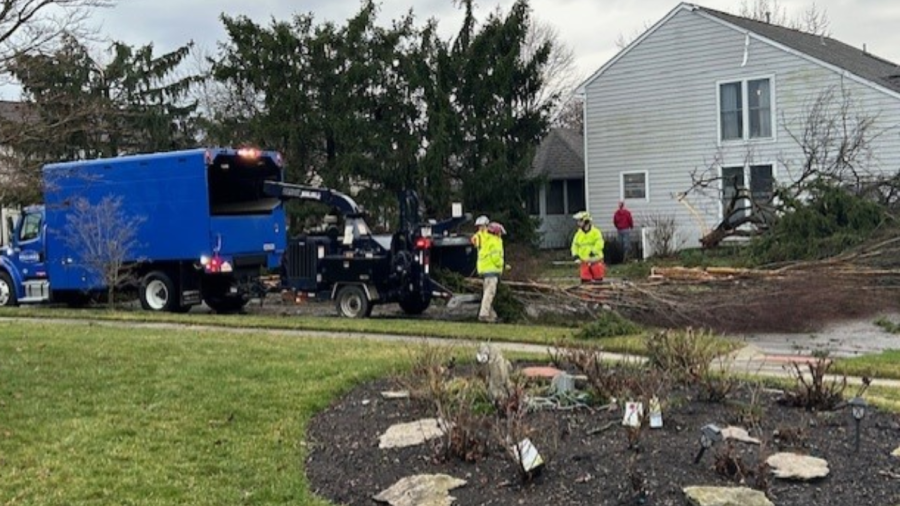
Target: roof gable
(559, 156)
(822, 50)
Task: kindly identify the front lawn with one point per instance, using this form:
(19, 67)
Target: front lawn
(95, 415)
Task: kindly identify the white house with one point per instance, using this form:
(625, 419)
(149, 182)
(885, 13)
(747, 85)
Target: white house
(703, 90)
(558, 192)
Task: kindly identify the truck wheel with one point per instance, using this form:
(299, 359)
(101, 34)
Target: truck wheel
(7, 291)
(415, 304)
(225, 304)
(158, 293)
(352, 302)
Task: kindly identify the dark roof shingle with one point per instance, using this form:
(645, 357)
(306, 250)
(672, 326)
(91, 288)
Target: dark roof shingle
(560, 155)
(825, 49)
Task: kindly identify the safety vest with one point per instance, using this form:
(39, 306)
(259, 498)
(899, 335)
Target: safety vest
(478, 236)
(490, 255)
(588, 246)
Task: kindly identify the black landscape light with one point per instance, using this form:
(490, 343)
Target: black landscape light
(709, 435)
(858, 410)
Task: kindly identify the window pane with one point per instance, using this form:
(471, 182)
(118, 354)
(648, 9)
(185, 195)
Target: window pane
(761, 183)
(732, 182)
(731, 102)
(760, 108)
(31, 227)
(575, 190)
(634, 185)
(555, 201)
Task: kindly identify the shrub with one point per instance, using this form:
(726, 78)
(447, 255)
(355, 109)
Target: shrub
(608, 324)
(686, 355)
(811, 389)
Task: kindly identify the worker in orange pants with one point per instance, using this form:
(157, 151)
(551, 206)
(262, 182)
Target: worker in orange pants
(587, 248)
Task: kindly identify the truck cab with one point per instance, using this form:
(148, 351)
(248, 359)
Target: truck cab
(23, 272)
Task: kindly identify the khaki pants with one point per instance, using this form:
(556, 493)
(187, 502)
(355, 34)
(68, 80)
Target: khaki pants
(487, 298)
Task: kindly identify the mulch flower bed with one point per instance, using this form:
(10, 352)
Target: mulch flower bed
(591, 461)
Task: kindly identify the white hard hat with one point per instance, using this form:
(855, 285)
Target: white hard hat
(482, 221)
(582, 216)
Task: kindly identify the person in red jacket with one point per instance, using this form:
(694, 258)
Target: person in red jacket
(624, 224)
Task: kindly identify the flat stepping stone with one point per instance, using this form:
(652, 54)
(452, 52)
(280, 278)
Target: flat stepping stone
(421, 490)
(541, 372)
(411, 434)
(739, 434)
(725, 496)
(793, 466)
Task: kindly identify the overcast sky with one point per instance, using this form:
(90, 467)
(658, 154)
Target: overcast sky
(589, 27)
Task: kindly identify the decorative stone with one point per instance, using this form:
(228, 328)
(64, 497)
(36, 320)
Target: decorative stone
(896, 453)
(562, 384)
(395, 394)
(739, 434)
(544, 372)
(421, 490)
(792, 466)
(411, 434)
(498, 369)
(726, 496)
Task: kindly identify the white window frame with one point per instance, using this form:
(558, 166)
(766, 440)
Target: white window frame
(646, 185)
(746, 167)
(745, 110)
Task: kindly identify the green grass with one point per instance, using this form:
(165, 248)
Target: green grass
(881, 365)
(532, 334)
(536, 334)
(93, 415)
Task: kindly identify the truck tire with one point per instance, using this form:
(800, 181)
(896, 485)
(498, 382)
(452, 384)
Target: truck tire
(352, 302)
(158, 293)
(225, 304)
(415, 304)
(7, 291)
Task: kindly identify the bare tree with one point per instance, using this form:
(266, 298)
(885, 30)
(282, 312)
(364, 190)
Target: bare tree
(622, 41)
(30, 25)
(812, 20)
(834, 137)
(104, 238)
(560, 75)
(570, 114)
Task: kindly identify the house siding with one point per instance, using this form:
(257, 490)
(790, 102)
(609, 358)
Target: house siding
(656, 109)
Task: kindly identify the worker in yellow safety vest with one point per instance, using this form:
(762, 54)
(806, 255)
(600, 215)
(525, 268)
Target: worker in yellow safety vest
(490, 266)
(587, 248)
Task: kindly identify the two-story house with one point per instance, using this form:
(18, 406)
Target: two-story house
(705, 91)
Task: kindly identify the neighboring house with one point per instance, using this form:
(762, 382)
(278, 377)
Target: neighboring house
(705, 90)
(558, 192)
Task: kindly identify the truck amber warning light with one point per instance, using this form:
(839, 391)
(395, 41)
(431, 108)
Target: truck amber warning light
(249, 153)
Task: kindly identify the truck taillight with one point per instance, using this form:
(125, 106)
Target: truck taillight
(423, 243)
(215, 264)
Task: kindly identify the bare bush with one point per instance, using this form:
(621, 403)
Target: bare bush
(104, 239)
(812, 389)
(662, 234)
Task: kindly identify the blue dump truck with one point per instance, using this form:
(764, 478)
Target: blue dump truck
(204, 229)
